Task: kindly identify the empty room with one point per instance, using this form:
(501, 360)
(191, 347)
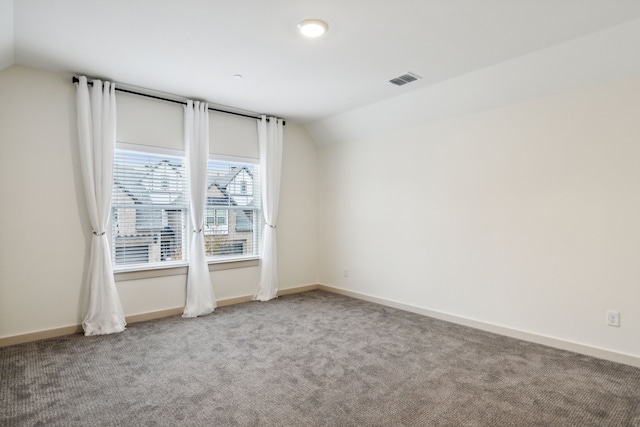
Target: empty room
(320, 213)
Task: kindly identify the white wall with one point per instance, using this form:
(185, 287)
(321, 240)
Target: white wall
(525, 216)
(155, 123)
(43, 202)
(44, 228)
(7, 50)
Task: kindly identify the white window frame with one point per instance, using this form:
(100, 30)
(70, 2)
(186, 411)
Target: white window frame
(159, 151)
(142, 271)
(257, 236)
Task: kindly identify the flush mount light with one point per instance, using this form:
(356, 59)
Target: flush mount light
(312, 28)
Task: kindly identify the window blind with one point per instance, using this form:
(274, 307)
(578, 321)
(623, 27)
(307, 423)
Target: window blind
(149, 208)
(233, 218)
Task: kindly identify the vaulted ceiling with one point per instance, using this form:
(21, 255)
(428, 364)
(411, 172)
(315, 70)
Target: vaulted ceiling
(194, 48)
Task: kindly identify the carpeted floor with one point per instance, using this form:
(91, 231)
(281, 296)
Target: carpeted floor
(311, 359)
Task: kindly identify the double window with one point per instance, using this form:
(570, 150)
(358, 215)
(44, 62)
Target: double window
(151, 224)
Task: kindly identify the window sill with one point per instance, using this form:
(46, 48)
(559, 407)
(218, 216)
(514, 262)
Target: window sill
(180, 269)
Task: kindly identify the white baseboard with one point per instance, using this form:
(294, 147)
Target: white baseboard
(40, 335)
(502, 330)
(134, 318)
(600, 353)
(298, 289)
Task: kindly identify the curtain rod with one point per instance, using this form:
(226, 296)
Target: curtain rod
(76, 80)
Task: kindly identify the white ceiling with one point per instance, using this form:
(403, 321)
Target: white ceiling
(194, 47)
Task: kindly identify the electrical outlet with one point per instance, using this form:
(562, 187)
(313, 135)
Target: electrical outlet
(613, 318)
(345, 273)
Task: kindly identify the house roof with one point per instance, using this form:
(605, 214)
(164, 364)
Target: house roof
(242, 222)
(134, 187)
(140, 194)
(223, 181)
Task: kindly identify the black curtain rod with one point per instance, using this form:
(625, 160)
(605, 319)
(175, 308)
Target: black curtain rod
(75, 80)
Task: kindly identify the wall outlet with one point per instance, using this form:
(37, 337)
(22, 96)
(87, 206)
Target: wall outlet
(345, 272)
(613, 318)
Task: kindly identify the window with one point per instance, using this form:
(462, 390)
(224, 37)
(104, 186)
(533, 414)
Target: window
(233, 201)
(217, 222)
(150, 217)
(149, 208)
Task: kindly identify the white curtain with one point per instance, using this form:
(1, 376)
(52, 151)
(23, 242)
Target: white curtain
(97, 138)
(270, 142)
(200, 297)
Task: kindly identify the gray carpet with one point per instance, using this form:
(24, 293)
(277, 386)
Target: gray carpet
(311, 359)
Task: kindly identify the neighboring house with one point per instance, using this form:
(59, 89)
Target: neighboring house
(229, 228)
(150, 213)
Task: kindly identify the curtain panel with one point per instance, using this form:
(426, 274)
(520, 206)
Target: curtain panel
(200, 297)
(103, 313)
(270, 140)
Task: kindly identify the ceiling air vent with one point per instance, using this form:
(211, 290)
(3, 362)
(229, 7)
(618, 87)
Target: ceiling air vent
(404, 79)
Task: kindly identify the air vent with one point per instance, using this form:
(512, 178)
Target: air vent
(404, 79)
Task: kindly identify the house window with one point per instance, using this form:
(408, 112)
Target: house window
(149, 208)
(217, 222)
(233, 205)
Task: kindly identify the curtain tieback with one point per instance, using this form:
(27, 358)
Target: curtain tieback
(272, 226)
(197, 231)
(98, 234)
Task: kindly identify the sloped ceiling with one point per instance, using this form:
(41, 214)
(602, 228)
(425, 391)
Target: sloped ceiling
(194, 48)
(596, 58)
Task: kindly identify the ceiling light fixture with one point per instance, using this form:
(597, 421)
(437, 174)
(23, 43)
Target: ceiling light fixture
(312, 28)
